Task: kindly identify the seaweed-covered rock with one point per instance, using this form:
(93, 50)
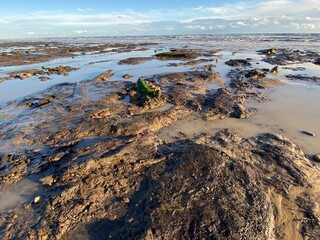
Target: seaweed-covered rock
(144, 89)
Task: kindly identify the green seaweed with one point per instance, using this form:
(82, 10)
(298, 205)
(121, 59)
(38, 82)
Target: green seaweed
(144, 89)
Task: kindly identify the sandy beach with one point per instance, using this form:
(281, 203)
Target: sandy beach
(170, 137)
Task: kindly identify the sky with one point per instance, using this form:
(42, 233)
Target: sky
(75, 18)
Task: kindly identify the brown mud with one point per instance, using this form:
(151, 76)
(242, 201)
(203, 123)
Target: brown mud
(101, 168)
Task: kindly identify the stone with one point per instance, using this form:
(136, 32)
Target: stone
(176, 55)
(29, 75)
(104, 76)
(46, 100)
(37, 200)
(270, 51)
(49, 180)
(127, 76)
(309, 133)
(276, 69)
(316, 158)
(238, 63)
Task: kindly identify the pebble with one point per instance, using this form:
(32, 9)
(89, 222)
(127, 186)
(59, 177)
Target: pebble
(316, 158)
(37, 199)
(276, 69)
(127, 76)
(49, 180)
(309, 133)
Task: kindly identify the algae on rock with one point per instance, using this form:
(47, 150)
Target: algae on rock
(144, 89)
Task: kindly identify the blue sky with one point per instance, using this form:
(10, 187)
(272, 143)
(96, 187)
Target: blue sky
(56, 18)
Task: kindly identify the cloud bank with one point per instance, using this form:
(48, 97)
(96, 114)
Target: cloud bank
(273, 16)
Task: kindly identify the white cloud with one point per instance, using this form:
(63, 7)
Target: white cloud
(196, 27)
(85, 10)
(309, 26)
(80, 31)
(295, 25)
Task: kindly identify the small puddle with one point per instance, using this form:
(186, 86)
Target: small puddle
(293, 108)
(86, 142)
(17, 194)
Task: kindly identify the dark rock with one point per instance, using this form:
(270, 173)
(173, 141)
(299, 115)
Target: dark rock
(134, 61)
(276, 69)
(316, 157)
(270, 51)
(303, 77)
(177, 55)
(309, 133)
(238, 63)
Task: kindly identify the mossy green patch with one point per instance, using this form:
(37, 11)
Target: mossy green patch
(144, 89)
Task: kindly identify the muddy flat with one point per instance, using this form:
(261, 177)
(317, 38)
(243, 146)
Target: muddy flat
(162, 138)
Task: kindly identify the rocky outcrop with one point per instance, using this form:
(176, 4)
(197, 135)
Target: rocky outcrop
(102, 169)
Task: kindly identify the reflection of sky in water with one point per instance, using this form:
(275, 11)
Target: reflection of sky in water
(233, 46)
(292, 109)
(10, 90)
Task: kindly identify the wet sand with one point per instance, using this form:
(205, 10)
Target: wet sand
(218, 151)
